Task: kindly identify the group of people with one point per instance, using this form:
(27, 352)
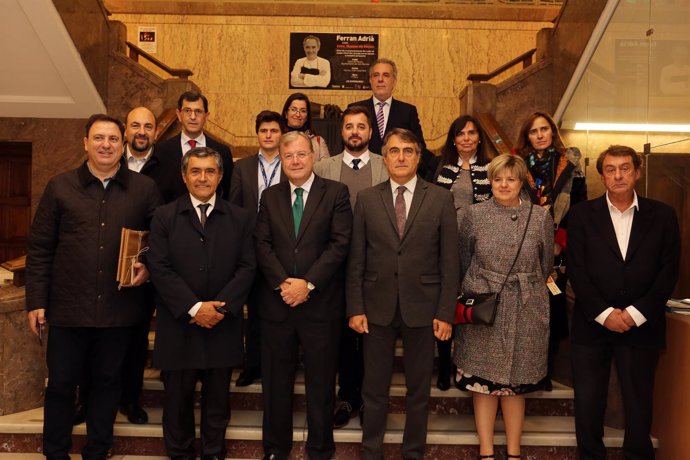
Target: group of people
(339, 256)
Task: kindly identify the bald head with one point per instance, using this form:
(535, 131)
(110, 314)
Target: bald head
(140, 130)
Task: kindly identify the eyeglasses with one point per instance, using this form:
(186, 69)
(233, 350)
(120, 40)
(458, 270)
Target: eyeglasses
(188, 112)
(298, 155)
(295, 110)
(407, 152)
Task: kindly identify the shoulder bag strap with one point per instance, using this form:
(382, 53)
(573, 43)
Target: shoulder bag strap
(524, 233)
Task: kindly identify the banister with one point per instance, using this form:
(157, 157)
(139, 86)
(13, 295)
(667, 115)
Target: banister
(494, 133)
(135, 52)
(525, 58)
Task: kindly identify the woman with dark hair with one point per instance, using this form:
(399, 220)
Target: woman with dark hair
(555, 181)
(462, 170)
(297, 116)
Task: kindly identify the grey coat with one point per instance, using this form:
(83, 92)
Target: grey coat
(514, 349)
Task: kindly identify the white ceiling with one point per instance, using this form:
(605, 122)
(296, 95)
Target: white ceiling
(42, 75)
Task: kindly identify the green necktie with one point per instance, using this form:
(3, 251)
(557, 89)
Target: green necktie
(297, 209)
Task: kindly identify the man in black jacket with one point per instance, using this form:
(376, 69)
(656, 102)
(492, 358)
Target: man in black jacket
(71, 284)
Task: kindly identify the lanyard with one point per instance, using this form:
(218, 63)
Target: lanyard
(268, 182)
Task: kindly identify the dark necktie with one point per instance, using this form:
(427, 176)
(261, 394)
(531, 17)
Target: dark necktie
(400, 216)
(355, 163)
(202, 215)
(297, 209)
(192, 143)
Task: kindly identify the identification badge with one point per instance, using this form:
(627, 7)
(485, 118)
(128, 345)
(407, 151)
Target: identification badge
(553, 288)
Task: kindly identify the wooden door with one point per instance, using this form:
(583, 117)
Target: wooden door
(15, 198)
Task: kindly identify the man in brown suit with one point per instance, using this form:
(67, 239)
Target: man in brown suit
(402, 279)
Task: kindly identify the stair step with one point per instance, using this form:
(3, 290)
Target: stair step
(246, 425)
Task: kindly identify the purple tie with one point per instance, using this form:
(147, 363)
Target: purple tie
(379, 118)
(400, 216)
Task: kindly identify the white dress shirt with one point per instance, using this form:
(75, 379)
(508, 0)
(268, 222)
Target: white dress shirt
(622, 225)
(386, 112)
(135, 163)
(409, 192)
(269, 169)
(195, 203)
(305, 194)
(184, 141)
(364, 157)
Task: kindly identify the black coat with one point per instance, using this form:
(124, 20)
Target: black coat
(75, 244)
(191, 264)
(317, 254)
(169, 154)
(601, 278)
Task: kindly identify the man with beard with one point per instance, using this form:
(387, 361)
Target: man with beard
(357, 168)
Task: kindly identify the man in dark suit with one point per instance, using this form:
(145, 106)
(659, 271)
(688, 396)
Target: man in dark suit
(357, 168)
(192, 113)
(302, 238)
(402, 279)
(250, 177)
(623, 253)
(202, 264)
(388, 114)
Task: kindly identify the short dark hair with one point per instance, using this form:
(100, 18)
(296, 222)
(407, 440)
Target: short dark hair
(192, 96)
(524, 146)
(619, 151)
(202, 152)
(405, 135)
(298, 97)
(449, 153)
(268, 116)
(106, 118)
(356, 110)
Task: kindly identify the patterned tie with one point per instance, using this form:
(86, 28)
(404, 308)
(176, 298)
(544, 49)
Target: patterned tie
(379, 118)
(202, 215)
(297, 209)
(192, 143)
(355, 163)
(400, 216)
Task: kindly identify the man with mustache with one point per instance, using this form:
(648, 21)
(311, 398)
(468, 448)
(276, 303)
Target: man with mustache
(357, 168)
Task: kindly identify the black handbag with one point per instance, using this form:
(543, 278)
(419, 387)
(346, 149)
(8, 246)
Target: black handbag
(481, 308)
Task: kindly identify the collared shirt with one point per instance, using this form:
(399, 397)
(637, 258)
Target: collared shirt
(364, 157)
(195, 203)
(622, 225)
(409, 192)
(135, 163)
(386, 111)
(272, 171)
(184, 141)
(305, 194)
(473, 160)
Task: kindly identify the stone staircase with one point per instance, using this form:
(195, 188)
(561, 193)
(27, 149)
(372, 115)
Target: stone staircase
(549, 431)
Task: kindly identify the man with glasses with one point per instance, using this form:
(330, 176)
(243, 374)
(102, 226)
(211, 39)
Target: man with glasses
(402, 279)
(623, 255)
(192, 113)
(302, 237)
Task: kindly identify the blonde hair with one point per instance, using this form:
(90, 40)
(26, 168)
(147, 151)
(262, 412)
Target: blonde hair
(506, 161)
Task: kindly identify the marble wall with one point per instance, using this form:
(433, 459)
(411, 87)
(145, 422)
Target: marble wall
(242, 62)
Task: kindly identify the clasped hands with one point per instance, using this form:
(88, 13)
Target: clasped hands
(207, 316)
(619, 321)
(359, 324)
(294, 291)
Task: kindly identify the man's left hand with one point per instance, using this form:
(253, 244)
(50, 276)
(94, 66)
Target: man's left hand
(296, 292)
(627, 319)
(141, 274)
(442, 330)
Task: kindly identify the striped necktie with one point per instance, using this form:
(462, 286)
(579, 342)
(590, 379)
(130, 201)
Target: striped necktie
(379, 118)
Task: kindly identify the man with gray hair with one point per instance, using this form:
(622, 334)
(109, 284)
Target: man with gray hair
(202, 264)
(311, 71)
(302, 237)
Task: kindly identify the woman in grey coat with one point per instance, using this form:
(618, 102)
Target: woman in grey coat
(504, 361)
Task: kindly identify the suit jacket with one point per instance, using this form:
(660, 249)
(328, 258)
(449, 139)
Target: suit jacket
(244, 186)
(170, 155)
(191, 264)
(601, 278)
(420, 272)
(330, 168)
(317, 254)
(401, 115)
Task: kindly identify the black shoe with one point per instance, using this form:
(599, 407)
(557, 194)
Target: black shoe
(546, 384)
(268, 457)
(135, 413)
(443, 382)
(343, 413)
(79, 414)
(247, 377)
